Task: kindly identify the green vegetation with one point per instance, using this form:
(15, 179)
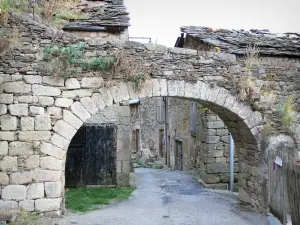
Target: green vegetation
(62, 16)
(86, 199)
(138, 78)
(25, 218)
(102, 64)
(268, 130)
(285, 110)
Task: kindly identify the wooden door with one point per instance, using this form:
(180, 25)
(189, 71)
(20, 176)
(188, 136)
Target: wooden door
(178, 155)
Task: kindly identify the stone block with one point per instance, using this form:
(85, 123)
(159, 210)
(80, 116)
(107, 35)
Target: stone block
(46, 175)
(183, 51)
(51, 150)
(3, 109)
(211, 132)
(97, 99)
(46, 205)
(32, 79)
(21, 177)
(53, 189)
(14, 192)
(40, 90)
(215, 125)
(32, 162)
(24, 99)
(106, 96)
(42, 122)
(77, 93)
(9, 163)
(34, 135)
(7, 136)
(35, 191)
(72, 83)
(126, 168)
(60, 141)
(221, 160)
(89, 105)
(212, 139)
(64, 129)
(123, 179)
(244, 196)
(124, 90)
(50, 163)
(4, 179)
(18, 87)
(71, 119)
(92, 82)
(80, 111)
(63, 102)
(35, 110)
(8, 205)
(222, 132)
(54, 81)
(220, 168)
(18, 109)
(46, 101)
(3, 148)
(116, 94)
(209, 178)
(27, 205)
(54, 112)
(27, 123)
(225, 139)
(20, 148)
(8, 122)
(6, 98)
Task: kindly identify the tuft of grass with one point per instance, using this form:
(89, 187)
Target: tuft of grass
(25, 218)
(102, 64)
(268, 130)
(285, 110)
(138, 78)
(62, 16)
(86, 199)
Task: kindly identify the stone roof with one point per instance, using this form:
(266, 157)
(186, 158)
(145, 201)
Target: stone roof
(235, 41)
(104, 13)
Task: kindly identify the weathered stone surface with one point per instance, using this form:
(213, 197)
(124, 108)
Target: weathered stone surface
(46, 101)
(45, 90)
(27, 205)
(9, 163)
(64, 129)
(244, 196)
(218, 124)
(20, 148)
(27, 123)
(21, 178)
(35, 110)
(219, 168)
(18, 87)
(8, 205)
(51, 150)
(89, 105)
(3, 148)
(72, 83)
(53, 81)
(14, 192)
(6, 98)
(42, 122)
(60, 141)
(106, 96)
(18, 109)
(32, 162)
(53, 189)
(35, 191)
(63, 102)
(212, 139)
(80, 111)
(97, 99)
(71, 119)
(209, 178)
(46, 175)
(50, 163)
(24, 99)
(34, 135)
(7, 136)
(3, 109)
(4, 179)
(77, 93)
(92, 82)
(54, 112)
(32, 79)
(45, 205)
(183, 51)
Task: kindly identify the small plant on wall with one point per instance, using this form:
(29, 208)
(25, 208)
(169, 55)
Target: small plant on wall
(285, 110)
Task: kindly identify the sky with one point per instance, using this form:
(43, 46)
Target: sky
(161, 19)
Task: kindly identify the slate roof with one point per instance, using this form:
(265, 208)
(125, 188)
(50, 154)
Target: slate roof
(235, 41)
(104, 13)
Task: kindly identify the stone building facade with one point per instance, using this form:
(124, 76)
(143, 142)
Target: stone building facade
(40, 113)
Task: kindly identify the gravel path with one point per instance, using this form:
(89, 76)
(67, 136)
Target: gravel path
(167, 198)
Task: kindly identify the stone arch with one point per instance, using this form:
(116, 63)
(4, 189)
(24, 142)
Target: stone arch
(244, 124)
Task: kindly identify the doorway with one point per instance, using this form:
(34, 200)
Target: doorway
(178, 155)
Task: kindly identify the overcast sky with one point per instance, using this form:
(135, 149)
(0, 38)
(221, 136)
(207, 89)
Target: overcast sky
(161, 19)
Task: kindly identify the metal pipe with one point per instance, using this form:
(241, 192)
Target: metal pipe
(231, 163)
(165, 129)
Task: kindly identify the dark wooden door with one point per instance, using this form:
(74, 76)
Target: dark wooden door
(161, 143)
(91, 158)
(178, 154)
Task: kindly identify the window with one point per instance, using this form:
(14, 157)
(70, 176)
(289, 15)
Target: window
(193, 121)
(160, 110)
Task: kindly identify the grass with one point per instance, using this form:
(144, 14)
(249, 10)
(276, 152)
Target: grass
(86, 199)
(286, 109)
(62, 16)
(22, 217)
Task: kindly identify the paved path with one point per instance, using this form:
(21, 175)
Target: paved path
(168, 198)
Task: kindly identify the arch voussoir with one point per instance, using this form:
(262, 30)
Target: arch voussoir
(80, 111)
(89, 105)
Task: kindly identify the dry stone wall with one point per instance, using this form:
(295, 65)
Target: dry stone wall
(40, 114)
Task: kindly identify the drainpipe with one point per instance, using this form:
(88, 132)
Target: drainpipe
(231, 163)
(165, 129)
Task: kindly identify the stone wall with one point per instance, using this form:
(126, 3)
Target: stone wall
(41, 113)
(104, 36)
